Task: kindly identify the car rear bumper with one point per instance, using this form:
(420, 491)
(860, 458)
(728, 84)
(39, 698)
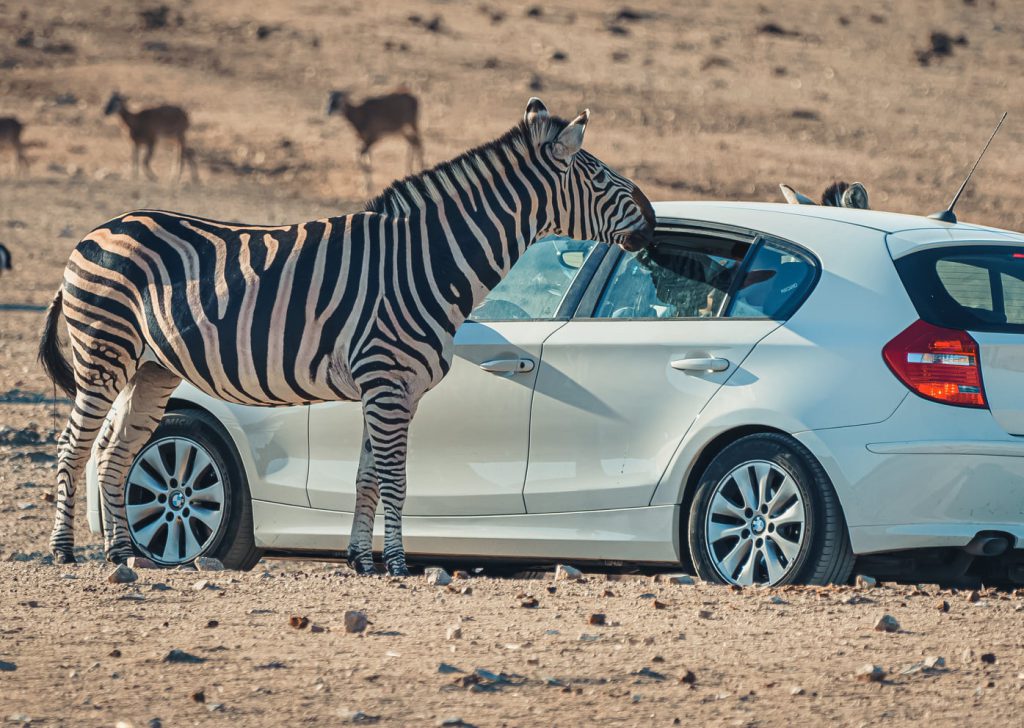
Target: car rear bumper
(929, 476)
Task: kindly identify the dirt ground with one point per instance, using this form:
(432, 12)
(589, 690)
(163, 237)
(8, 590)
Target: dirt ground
(718, 100)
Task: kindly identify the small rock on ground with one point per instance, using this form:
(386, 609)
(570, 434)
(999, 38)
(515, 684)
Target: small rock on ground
(436, 576)
(207, 563)
(682, 579)
(564, 572)
(453, 633)
(870, 673)
(865, 580)
(355, 621)
(887, 623)
(180, 656)
(141, 562)
(122, 575)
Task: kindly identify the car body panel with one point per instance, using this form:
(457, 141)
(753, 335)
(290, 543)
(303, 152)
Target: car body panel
(469, 439)
(627, 534)
(915, 241)
(1002, 372)
(609, 409)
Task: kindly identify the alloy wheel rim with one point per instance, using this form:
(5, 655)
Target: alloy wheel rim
(755, 524)
(174, 500)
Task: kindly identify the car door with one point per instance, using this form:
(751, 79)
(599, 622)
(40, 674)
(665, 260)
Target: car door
(469, 439)
(621, 383)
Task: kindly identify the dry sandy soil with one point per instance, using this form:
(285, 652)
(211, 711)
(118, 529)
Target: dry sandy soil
(720, 101)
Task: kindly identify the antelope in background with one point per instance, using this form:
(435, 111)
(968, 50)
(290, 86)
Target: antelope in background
(146, 126)
(10, 136)
(395, 113)
(837, 194)
(5, 258)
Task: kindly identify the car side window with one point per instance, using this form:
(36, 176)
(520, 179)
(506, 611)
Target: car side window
(677, 278)
(537, 283)
(773, 285)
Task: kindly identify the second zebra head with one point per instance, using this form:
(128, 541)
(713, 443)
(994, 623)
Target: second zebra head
(589, 200)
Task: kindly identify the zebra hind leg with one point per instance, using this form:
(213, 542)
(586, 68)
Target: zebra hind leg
(360, 543)
(387, 414)
(73, 451)
(139, 408)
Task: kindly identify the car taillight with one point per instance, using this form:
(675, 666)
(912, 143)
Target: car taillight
(939, 364)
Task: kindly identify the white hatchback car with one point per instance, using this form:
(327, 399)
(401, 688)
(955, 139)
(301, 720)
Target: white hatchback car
(767, 394)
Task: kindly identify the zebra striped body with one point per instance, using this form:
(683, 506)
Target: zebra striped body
(362, 307)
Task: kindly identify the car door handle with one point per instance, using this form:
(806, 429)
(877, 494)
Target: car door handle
(702, 364)
(508, 366)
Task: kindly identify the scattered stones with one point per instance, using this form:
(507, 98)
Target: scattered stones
(182, 657)
(680, 579)
(203, 585)
(967, 655)
(942, 605)
(141, 562)
(211, 623)
(596, 619)
(776, 29)
(436, 576)
(585, 637)
(453, 633)
(869, 673)
(658, 605)
(460, 574)
(455, 723)
(777, 600)
(988, 658)
(199, 696)
(865, 581)
(796, 690)
(355, 621)
(551, 589)
(317, 629)
(114, 653)
(357, 716)
(887, 623)
(648, 672)
(973, 596)
(445, 669)
(160, 586)
(206, 563)
(530, 602)
(704, 614)
(122, 575)
(688, 677)
(7, 666)
(933, 662)
(563, 572)
(299, 621)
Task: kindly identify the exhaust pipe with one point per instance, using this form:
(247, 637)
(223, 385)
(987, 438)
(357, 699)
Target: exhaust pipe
(988, 545)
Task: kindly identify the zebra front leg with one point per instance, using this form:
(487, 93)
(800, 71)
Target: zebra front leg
(387, 412)
(360, 544)
(138, 411)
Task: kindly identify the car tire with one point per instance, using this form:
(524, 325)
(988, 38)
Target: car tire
(765, 512)
(232, 540)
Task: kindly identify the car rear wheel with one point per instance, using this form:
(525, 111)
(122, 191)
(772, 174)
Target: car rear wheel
(186, 496)
(765, 513)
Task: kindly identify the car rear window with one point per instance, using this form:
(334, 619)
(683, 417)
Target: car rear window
(979, 288)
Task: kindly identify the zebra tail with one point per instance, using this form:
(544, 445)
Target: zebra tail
(50, 355)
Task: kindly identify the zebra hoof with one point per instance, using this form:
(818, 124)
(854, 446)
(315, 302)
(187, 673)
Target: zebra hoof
(118, 556)
(398, 569)
(361, 562)
(64, 556)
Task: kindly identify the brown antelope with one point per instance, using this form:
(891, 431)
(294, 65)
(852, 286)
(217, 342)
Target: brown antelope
(378, 117)
(10, 136)
(837, 194)
(146, 126)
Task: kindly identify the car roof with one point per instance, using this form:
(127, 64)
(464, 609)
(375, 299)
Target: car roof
(905, 232)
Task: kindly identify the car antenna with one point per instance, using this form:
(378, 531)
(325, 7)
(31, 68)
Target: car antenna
(948, 215)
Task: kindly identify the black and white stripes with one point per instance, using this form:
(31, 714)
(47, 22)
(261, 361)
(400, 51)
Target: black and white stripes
(362, 307)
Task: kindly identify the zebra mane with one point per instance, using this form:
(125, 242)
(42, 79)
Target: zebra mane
(436, 183)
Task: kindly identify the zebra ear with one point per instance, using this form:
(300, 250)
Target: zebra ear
(856, 196)
(570, 140)
(536, 112)
(795, 198)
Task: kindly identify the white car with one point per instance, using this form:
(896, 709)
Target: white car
(768, 394)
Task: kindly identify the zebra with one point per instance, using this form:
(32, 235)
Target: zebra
(5, 258)
(361, 307)
(837, 194)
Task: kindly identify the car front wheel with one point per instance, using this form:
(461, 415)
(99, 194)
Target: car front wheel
(186, 496)
(765, 513)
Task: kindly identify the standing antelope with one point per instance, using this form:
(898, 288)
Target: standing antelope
(361, 307)
(837, 194)
(146, 126)
(5, 258)
(378, 117)
(10, 136)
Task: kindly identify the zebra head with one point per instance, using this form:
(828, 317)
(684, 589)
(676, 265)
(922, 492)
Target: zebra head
(591, 201)
(837, 194)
